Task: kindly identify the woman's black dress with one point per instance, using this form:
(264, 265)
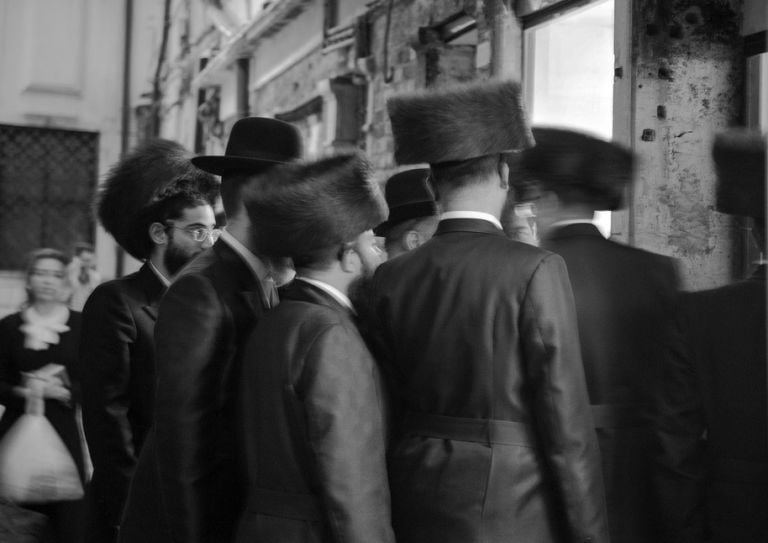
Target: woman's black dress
(66, 517)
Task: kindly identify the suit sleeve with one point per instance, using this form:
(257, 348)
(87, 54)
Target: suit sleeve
(344, 413)
(104, 371)
(188, 335)
(561, 405)
(680, 424)
(9, 373)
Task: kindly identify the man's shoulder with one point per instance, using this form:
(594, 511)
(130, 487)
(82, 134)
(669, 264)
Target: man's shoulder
(640, 253)
(480, 247)
(308, 314)
(221, 268)
(128, 287)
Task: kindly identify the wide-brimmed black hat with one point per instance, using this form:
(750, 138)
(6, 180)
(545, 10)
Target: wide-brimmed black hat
(740, 156)
(565, 160)
(254, 143)
(409, 196)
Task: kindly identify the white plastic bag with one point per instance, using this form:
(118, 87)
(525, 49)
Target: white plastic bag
(35, 465)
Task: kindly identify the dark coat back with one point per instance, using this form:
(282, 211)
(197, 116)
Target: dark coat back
(314, 428)
(717, 388)
(189, 484)
(625, 299)
(479, 331)
(117, 372)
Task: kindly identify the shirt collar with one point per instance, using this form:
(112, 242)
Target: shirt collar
(335, 293)
(163, 279)
(471, 215)
(254, 263)
(571, 221)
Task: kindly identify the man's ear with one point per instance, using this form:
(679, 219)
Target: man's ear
(411, 240)
(350, 261)
(504, 174)
(158, 234)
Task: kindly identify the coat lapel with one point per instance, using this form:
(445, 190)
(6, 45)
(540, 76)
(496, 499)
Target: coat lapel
(153, 290)
(244, 278)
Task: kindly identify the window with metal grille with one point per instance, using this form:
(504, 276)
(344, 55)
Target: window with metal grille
(47, 182)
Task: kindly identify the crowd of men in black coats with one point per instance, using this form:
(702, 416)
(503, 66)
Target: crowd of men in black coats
(472, 388)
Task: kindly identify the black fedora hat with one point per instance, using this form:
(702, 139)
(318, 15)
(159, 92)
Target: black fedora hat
(254, 143)
(409, 196)
(565, 159)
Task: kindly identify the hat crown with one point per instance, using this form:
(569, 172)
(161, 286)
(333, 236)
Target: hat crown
(408, 187)
(458, 123)
(409, 196)
(255, 143)
(262, 137)
(309, 207)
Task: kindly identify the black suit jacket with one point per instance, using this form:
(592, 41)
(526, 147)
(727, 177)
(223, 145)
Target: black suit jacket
(117, 372)
(717, 388)
(625, 302)
(189, 484)
(314, 430)
(478, 331)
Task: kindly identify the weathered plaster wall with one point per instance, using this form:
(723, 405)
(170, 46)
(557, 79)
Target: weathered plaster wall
(408, 65)
(298, 84)
(688, 85)
(412, 65)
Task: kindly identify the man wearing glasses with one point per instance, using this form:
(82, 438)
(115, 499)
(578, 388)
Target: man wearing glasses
(189, 484)
(158, 207)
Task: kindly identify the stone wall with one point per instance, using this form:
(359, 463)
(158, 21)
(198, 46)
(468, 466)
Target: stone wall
(688, 71)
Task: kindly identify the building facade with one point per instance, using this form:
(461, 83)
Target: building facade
(660, 77)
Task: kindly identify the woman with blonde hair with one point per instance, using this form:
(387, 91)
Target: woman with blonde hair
(44, 337)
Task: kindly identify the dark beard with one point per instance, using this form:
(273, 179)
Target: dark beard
(176, 258)
(359, 293)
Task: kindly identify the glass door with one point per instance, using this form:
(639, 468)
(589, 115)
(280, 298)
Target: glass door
(568, 73)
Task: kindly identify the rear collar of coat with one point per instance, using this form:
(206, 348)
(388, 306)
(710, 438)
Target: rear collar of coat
(479, 226)
(308, 292)
(581, 229)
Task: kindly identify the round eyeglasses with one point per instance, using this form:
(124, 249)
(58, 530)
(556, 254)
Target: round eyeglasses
(199, 233)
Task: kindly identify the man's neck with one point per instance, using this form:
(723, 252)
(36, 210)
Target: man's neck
(240, 229)
(484, 198)
(334, 277)
(156, 259)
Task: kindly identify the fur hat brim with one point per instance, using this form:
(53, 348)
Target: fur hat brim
(305, 208)
(740, 161)
(459, 123)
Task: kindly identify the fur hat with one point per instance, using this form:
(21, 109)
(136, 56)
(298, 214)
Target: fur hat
(148, 175)
(307, 208)
(458, 123)
(254, 143)
(739, 156)
(409, 196)
(564, 160)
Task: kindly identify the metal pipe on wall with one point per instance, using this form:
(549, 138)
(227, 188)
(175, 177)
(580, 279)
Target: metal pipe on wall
(125, 127)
